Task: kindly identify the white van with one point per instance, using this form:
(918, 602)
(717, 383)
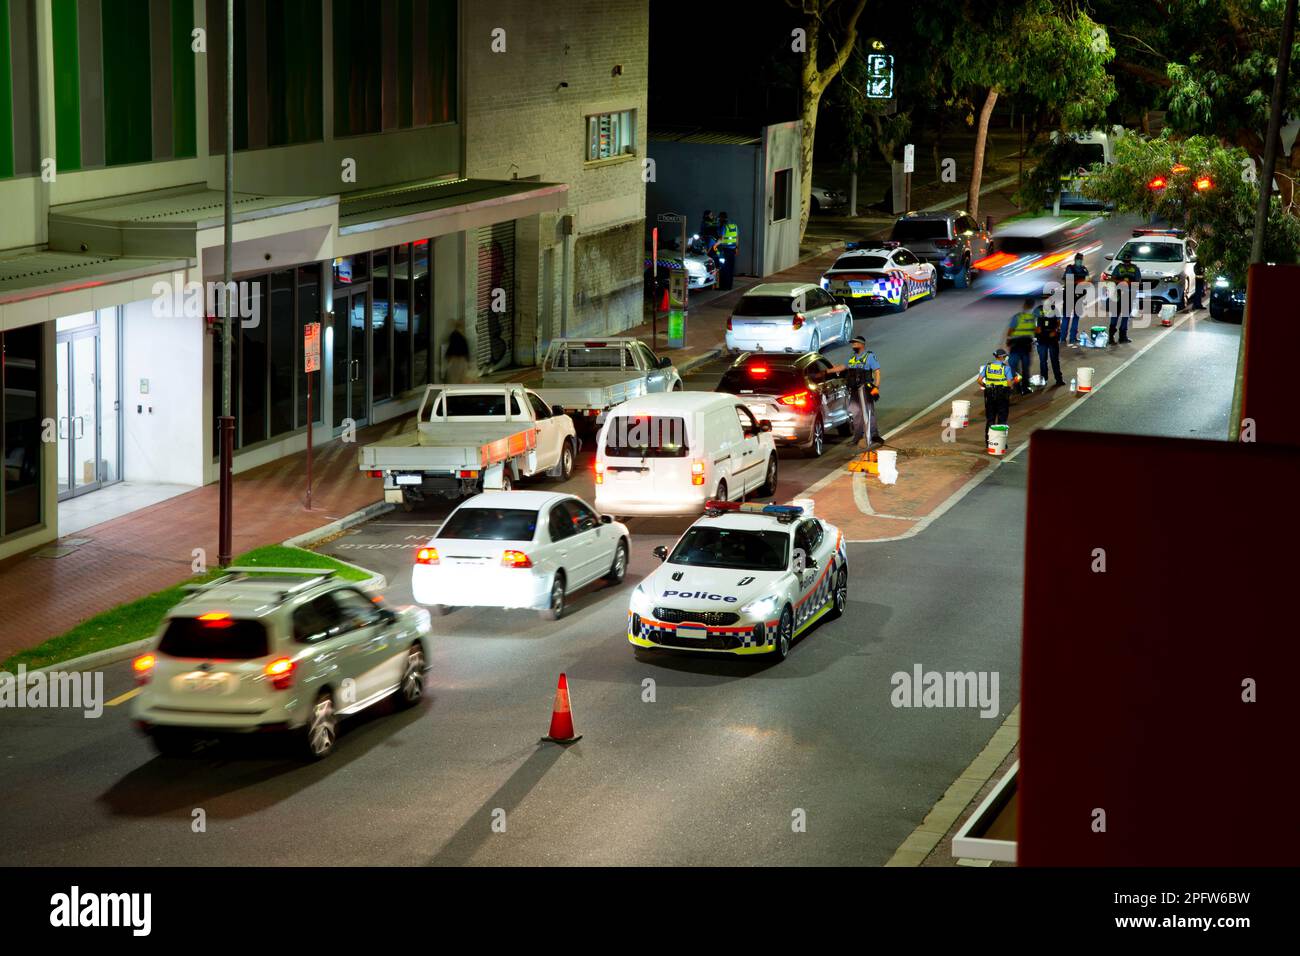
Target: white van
(666, 454)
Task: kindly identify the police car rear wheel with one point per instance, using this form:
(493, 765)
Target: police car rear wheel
(784, 635)
(840, 596)
(902, 298)
(934, 285)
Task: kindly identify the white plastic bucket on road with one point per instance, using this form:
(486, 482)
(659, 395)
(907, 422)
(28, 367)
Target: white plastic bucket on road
(887, 461)
(1085, 379)
(998, 439)
(960, 417)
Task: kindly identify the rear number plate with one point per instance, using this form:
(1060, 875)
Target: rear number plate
(408, 479)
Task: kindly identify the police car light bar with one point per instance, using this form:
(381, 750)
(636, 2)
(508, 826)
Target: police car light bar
(1172, 233)
(783, 513)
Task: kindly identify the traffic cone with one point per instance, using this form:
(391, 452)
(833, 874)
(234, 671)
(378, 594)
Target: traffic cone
(562, 716)
(663, 303)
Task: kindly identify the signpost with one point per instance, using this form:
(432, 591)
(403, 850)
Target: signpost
(311, 363)
(654, 286)
(909, 162)
(677, 288)
(880, 76)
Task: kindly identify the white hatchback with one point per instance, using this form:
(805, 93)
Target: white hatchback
(518, 549)
(787, 317)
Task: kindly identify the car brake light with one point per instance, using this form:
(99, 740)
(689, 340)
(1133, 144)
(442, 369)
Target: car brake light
(798, 320)
(516, 559)
(697, 472)
(143, 667)
(470, 473)
(797, 399)
(728, 324)
(281, 671)
(426, 556)
(600, 473)
(374, 474)
(216, 619)
(758, 371)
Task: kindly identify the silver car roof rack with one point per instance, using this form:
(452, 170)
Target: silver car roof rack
(311, 578)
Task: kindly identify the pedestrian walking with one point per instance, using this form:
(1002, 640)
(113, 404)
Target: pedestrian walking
(997, 378)
(862, 375)
(1020, 339)
(1048, 340)
(456, 355)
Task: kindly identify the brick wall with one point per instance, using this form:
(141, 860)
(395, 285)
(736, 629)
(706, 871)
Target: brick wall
(519, 122)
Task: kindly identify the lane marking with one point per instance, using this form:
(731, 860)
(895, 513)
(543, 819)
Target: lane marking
(123, 698)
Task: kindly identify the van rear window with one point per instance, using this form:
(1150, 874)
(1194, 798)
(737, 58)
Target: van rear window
(228, 639)
(646, 436)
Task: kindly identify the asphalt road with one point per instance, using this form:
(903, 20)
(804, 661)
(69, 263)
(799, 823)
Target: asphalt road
(716, 768)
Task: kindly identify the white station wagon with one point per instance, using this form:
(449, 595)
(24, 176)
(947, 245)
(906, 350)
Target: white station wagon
(787, 317)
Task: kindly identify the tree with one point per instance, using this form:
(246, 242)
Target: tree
(1035, 49)
(1220, 217)
(816, 76)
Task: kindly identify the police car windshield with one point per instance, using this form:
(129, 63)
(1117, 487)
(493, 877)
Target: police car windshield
(859, 262)
(1152, 251)
(713, 547)
(490, 524)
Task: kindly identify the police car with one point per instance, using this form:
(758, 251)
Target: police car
(879, 275)
(1167, 261)
(744, 579)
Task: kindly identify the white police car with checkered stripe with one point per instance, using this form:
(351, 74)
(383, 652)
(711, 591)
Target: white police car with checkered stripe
(744, 579)
(882, 275)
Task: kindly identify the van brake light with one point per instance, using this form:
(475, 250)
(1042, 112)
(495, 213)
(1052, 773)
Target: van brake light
(600, 472)
(697, 472)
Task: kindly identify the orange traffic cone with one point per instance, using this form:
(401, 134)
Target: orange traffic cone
(562, 716)
(663, 304)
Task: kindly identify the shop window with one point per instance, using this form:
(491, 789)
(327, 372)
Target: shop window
(402, 319)
(381, 328)
(781, 199)
(421, 327)
(282, 332)
(22, 369)
(610, 135)
(254, 354)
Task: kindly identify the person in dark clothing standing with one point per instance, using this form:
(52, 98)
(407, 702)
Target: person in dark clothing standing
(1128, 279)
(1076, 274)
(457, 355)
(1048, 339)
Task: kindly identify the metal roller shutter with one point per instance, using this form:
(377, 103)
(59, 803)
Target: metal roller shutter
(495, 331)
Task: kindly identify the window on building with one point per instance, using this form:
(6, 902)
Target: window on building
(283, 351)
(19, 134)
(401, 319)
(254, 347)
(421, 326)
(610, 135)
(781, 198)
(394, 64)
(279, 94)
(123, 82)
(22, 371)
(381, 326)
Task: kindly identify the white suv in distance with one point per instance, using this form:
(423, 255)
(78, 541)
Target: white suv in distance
(1167, 260)
(276, 649)
(787, 317)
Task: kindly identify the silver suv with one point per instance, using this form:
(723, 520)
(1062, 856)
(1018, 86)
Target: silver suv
(276, 649)
(950, 241)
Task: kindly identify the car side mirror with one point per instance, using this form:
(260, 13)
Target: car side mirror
(606, 519)
(665, 362)
(661, 553)
(557, 410)
(1110, 255)
(810, 564)
(765, 426)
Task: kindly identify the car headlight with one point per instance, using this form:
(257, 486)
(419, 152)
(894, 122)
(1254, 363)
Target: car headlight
(763, 608)
(641, 602)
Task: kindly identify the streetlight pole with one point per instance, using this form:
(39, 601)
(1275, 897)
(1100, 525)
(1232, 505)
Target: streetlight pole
(1265, 199)
(225, 516)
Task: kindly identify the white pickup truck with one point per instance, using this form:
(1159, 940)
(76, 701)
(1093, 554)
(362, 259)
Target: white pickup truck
(470, 437)
(587, 377)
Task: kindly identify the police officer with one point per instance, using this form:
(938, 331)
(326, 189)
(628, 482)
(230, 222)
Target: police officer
(1127, 276)
(1020, 339)
(708, 228)
(997, 378)
(1048, 339)
(862, 374)
(728, 240)
(1076, 274)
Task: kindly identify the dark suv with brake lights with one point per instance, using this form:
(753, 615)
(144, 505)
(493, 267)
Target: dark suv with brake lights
(950, 241)
(798, 394)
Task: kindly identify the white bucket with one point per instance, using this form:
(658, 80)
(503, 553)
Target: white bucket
(960, 417)
(1085, 379)
(887, 461)
(806, 504)
(998, 439)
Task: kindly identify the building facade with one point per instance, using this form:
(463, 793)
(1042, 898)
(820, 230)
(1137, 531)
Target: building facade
(400, 166)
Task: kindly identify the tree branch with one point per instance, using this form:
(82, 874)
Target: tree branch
(1143, 73)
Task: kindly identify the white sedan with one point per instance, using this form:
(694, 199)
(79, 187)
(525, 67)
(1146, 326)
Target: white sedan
(744, 579)
(518, 549)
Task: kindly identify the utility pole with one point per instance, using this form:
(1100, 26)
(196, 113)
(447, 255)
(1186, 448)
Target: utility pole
(225, 515)
(1265, 199)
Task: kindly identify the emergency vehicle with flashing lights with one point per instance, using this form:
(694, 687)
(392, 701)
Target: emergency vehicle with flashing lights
(885, 274)
(744, 579)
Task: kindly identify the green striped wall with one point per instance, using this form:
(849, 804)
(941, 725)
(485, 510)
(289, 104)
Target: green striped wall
(130, 62)
(6, 96)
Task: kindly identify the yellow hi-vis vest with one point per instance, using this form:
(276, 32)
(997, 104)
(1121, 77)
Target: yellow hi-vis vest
(995, 373)
(730, 234)
(1026, 324)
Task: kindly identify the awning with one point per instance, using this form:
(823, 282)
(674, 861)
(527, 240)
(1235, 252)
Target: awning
(39, 286)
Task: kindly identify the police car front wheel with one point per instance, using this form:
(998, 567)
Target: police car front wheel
(840, 596)
(784, 636)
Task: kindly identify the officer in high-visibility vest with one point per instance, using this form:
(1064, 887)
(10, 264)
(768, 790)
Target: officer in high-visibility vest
(1020, 340)
(997, 378)
(728, 240)
(862, 375)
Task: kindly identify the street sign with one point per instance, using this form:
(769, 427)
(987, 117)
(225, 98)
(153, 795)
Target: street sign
(909, 158)
(311, 347)
(880, 76)
(670, 217)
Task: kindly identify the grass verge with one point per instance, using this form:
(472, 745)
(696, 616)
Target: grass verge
(138, 619)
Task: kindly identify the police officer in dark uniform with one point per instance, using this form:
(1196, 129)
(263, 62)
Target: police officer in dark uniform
(862, 375)
(1048, 339)
(997, 378)
(708, 228)
(1127, 275)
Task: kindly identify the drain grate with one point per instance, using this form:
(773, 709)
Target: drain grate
(65, 546)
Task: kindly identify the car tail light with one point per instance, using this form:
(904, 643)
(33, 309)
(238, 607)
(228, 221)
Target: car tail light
(728, 324)
(798, 320)
(516, 559)
(795, 399)
(697, 472)
(216, 619)
(143, 668)
(426, 556)
(468, 473)
(600, 472)
(945, 243)
(281, 671)
(375, 474)
(758, 371)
